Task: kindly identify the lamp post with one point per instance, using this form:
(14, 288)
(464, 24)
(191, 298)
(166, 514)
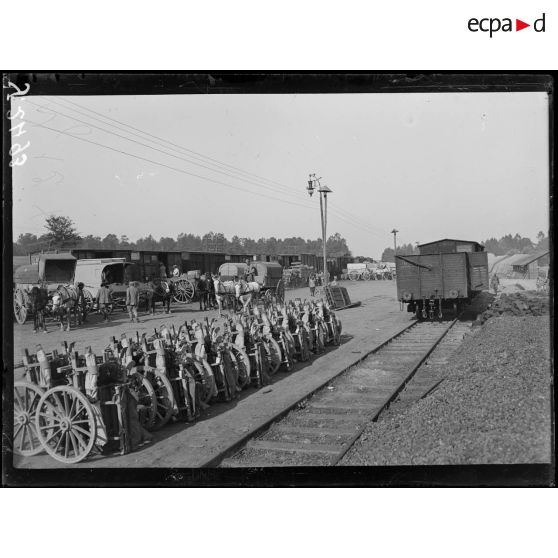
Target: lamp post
(394, 233)
(314, 184)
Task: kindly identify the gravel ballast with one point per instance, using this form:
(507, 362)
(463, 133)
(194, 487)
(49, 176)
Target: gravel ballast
(494, 406)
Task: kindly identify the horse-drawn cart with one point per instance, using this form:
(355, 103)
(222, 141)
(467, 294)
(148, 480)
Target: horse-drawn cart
(268, 276)
(48, 271)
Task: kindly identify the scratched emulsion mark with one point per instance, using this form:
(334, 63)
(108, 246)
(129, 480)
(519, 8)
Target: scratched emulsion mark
(17, 155)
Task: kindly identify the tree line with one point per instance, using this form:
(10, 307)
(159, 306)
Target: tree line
(507, 245)
(61, 234)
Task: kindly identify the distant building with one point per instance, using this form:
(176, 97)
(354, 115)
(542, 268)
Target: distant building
(518, 266)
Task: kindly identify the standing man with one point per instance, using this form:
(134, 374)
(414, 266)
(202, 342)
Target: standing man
(312, 284)
(81, 304)
(104, 299)
(132, 301)
(495, 283)
(203, 290)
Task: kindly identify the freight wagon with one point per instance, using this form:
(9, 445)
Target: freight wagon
(445, 274)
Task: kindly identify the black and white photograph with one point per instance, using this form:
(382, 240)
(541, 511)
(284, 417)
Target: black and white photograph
(259, 276)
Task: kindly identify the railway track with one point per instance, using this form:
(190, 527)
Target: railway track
(323, 428)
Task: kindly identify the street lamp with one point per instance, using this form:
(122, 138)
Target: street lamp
(314, 184)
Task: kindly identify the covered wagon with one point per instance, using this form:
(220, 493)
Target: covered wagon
(48, 270)
(269, 276)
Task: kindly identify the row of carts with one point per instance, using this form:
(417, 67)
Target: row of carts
(72, 405)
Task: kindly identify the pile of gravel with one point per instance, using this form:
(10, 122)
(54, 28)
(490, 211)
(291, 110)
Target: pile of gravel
(493, 407)
(523, 303)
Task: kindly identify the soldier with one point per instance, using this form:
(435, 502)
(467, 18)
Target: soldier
(495, 283)
(203, 290)
(312, 284)
(81, 304)
(104, 299)
(132, 301)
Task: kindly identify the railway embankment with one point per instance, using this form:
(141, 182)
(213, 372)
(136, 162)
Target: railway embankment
(493, 407)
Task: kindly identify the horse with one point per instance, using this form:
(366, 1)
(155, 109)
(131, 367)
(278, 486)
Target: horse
(64, 303)
(243, 292)
(162, 290)
(38, 299)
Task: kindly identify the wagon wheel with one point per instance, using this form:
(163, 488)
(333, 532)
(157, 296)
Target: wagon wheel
(165, 399)
(20, 306)
(243, 364)
(274, 354)
(366, 275)
(144, 393)
(26, 398)
(66, 424)
(280, 291)
(354, 275)
(184, 291)
(205, 374)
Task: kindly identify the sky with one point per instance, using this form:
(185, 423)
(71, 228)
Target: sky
(456, 165)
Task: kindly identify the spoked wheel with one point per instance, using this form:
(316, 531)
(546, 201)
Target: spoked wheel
(243, 366)
(273, 352)
(184, 291)
(366, 275)
(165, 399)
(20, 307)
(207, 380)
(354, 275)
(65, 424)
(144, 393)
(26, 400)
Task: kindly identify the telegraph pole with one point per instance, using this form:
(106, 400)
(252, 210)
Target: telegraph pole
(324, 191)
(394, 233)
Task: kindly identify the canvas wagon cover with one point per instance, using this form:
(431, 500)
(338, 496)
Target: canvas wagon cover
(26, 274)
(229, 271)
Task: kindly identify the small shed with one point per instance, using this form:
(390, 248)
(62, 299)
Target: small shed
(527, 265)
(450, 246)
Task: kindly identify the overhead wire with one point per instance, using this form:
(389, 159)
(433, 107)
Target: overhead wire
(283, 188)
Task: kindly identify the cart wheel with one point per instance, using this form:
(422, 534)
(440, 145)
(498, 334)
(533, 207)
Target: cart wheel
(20, 306)
(366, 275)
(184, 291)
(273, 352)
(207, 379)
(26, 399)
(165, 399)
(243, 366)
(65, 424)
(147, 402)
(280, 291)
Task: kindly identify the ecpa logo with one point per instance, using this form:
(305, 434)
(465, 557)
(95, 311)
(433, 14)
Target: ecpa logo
(494, 24)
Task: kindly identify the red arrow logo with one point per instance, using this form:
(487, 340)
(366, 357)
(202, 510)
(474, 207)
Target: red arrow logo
(519, 25)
